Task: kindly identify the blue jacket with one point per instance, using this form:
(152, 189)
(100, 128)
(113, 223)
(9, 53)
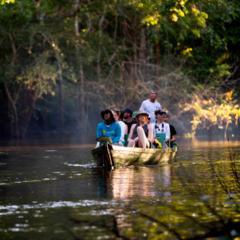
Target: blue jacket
(113, 131)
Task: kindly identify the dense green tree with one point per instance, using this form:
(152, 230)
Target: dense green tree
(86, 55)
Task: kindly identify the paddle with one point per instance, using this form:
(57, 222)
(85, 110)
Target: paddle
(104, 140)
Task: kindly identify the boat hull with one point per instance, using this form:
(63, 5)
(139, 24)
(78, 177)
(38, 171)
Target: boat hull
(108, 155)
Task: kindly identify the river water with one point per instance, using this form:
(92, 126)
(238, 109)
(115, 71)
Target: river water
(56, 192)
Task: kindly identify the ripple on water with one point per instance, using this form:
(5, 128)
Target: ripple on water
(22, 209)
(79, 165)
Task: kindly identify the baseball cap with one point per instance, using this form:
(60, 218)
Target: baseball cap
(134, 114)
(127, 110)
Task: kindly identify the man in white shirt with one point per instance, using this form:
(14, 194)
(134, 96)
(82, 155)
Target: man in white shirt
(150, 105)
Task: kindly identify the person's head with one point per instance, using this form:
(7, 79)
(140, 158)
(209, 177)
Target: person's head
(116, 114)
(108, 116)
(165, 117)
(158, 115)
(127, 112)
(121, 117)
(142, 117)
(152, 95)
(134, 115)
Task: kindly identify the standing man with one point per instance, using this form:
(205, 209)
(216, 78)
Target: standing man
(127, 115)
(150, 105)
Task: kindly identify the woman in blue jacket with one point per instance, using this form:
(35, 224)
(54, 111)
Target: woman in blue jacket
(109, 128)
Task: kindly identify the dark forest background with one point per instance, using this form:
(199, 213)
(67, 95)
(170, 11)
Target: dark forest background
(62, 62)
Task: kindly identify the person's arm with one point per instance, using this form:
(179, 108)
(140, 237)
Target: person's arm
(126, 128)
(173, 139)
(118, 134)
(154, 130)
(131, 133)
(99, 131)
(167, 132)
(160, 106)
(150, 133)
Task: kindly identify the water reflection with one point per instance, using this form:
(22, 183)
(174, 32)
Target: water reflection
(39, 186)
(125, 183)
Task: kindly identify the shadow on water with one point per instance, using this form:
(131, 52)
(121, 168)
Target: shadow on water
(56, 192)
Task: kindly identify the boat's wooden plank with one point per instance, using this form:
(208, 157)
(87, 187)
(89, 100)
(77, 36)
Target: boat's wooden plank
(144, 158)
(140, 150)
(124, 156)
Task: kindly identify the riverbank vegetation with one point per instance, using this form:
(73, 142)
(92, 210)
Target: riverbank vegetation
(62, 62)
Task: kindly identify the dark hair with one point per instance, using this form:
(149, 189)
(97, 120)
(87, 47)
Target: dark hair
(111, 114)
(158, 112)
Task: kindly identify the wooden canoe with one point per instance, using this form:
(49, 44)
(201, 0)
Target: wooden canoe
(111, 155)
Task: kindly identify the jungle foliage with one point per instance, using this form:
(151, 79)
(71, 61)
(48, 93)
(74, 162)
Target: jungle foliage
(63, 61)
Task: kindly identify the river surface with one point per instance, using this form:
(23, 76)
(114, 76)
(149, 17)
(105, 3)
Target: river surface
(56, 192)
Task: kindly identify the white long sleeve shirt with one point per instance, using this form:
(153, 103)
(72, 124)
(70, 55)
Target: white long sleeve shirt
(161, 128)
(123, 130)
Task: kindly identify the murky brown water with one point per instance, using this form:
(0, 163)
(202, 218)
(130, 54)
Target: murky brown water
(56, 192)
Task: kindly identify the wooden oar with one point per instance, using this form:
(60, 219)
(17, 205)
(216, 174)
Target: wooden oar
(107, 141)
(104, 140)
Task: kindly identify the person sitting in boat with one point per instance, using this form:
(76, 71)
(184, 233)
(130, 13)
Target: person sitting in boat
(141, 134)
(109, 128)
(124, 127)
(134, 116)
(127, 115)
(161, 127)
(172, 129)
(149, 119)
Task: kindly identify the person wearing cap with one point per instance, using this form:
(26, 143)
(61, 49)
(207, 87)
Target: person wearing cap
(160, 126)
(124, 127)
(134, 116)
(150, 105)
(127, 115)
(173, 132)
(141, 133)
(109, 128)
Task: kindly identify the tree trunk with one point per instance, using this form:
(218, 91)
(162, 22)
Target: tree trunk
(11, 100)
(26, 107)
(60, 82)
(142, 52)
(61, 103)
(100, 25)
(135, 53)
(81, 77)
(13, 105)
(5, 128)
(135, 59)
(158, 59)
(82, 101)
(225, 131)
